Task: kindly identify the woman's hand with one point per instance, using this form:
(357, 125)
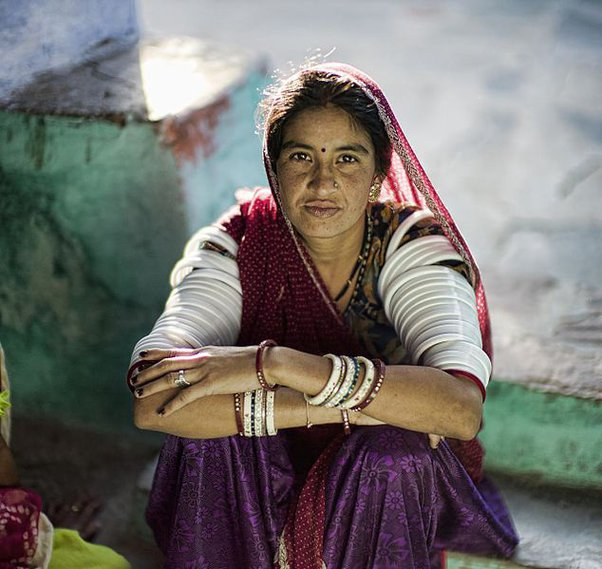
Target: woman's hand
(212, 370)
(434, 440)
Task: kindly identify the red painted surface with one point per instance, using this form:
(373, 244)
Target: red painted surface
(193, 133)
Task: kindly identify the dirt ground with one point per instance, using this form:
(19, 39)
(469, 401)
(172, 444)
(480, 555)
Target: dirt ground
(67, 463)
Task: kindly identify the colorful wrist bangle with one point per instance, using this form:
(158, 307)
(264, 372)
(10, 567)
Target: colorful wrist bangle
(380, 366)
(259, 365)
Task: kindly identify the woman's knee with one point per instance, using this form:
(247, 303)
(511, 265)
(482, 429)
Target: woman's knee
(400, 450)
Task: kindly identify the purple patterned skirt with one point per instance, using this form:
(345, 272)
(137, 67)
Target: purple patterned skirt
(391, 502)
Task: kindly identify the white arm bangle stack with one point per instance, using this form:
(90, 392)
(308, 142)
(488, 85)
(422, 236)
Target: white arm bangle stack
(205, 305)
(432, 307)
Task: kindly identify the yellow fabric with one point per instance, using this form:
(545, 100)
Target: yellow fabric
(70, 551)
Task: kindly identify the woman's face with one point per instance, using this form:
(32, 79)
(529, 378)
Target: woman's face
(325, 169)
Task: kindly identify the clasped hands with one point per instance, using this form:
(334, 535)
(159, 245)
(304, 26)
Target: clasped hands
(211, 370)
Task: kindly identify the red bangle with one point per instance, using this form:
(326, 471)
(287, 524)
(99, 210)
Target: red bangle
(237, 414)
(473, 378)
(259, 365)
(375, 386)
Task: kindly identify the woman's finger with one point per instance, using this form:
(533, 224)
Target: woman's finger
(168, 365)
(434, 440)
(160, 353)
(167, 381)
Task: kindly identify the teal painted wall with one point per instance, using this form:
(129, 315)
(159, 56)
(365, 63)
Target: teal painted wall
(91, 221)
(209, 182)
(93, 215)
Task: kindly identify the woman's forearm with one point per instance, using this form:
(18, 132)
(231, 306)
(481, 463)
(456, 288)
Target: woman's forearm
(418, 398)
(213, 417)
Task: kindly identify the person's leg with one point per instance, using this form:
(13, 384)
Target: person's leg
(380, 501)
(220, 503)
(392, 501)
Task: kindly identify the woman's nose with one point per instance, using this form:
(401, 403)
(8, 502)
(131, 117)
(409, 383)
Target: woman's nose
(323, 181)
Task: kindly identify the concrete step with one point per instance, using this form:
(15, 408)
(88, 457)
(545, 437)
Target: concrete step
(558, 529)
(550, 438)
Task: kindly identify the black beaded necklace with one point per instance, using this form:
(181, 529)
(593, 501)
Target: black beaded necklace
(360, 264)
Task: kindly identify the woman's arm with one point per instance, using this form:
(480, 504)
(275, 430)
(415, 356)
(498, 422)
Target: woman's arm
(213, 416)
(418, 398)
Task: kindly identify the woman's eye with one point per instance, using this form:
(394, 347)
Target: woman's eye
(299, 156)
(347, 159)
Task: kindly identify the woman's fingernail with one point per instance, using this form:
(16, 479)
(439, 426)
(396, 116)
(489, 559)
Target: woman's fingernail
(143, 353)
(139, 392)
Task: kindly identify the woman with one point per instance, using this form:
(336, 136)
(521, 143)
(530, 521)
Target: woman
(28, 539)
(338, 262)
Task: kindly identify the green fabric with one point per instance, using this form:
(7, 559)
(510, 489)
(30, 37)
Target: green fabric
(4, 402)
(70, 551)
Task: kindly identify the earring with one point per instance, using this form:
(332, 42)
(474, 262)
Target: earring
(374, 192)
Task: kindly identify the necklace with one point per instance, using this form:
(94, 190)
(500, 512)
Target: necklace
(360, 264)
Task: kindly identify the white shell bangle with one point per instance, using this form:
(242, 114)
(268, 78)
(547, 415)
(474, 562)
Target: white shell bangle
(270, 418)
(364, 389)
(344, 385)
(259, 412)
(331, 384)
(247, 414)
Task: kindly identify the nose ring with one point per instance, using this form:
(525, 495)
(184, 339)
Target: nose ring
(336, 185)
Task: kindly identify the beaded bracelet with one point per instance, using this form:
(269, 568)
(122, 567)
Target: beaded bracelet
(376, 387)
(364, 388)
(335, 376)
(259, 365)
(346, 424)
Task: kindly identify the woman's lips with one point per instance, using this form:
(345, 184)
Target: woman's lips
(321, 210)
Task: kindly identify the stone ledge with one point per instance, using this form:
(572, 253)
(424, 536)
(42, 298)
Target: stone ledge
(148, 82)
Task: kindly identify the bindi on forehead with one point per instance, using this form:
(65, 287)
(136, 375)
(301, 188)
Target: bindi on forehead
(323, 149)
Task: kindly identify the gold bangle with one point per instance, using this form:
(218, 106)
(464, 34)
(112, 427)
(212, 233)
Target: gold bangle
(308, 423)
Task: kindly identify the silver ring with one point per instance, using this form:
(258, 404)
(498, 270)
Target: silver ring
(181, 380)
